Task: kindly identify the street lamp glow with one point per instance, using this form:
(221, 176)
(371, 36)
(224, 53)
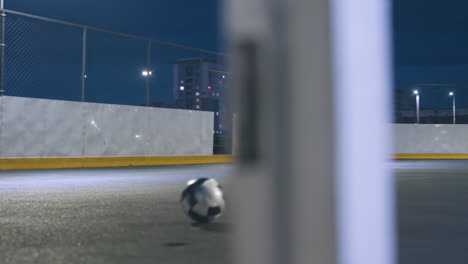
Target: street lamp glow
(415, 92)
(146, 73)
(451, 94)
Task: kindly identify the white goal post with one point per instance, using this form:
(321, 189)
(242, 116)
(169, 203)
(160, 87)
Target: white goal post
(313, 83)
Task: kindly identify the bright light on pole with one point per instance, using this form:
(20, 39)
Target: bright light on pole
(453, 106)
(146, 73)
(416, 92)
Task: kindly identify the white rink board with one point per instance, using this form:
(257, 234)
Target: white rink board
(430, 138)
(49, 128)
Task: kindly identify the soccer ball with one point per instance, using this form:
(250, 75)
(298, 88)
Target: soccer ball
(202, 200)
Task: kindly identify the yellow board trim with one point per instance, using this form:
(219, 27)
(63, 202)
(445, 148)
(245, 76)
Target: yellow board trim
(125, 161)
(431, 156)
(121, 161)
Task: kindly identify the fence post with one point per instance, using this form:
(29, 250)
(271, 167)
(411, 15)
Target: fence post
(2, 49)
(148, 79)
(83, 66)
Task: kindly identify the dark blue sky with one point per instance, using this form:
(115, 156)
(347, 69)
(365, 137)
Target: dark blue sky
(48, 56)
(431, 46)
(431, 41)
(430, 37)
(189, 22)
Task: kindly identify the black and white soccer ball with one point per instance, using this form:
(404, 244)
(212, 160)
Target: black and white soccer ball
(202, 200)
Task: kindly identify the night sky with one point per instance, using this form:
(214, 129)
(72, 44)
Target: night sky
(430, 43)
(188, 22)
(44, 60)
(431, 46)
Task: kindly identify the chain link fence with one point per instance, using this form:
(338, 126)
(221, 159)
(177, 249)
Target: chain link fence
(51, 59)
(42, 59)
(47, 58)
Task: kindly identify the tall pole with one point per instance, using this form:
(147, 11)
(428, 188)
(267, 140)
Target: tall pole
(453, 105)
(148, 65)
(417, 109)
(83, 65)
(452, 94)
(2, 48)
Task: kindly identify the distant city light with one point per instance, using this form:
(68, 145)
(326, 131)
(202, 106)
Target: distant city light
(182, 81)
(209, 87)
(212, 94)
(217, 94)
(137, 136)
(182, 88)
(198, 107)
(415, 92)
(451, 94)
(198, 100)
(224, 76)
(197, 93)
(217, 113)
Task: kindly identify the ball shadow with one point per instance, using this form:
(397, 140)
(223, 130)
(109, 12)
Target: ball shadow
(212, 227)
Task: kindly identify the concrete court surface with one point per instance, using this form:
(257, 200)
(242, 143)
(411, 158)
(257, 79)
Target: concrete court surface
(132, 215)
(432, 211)
(107, 215)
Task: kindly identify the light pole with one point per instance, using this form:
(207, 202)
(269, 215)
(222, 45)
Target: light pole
(416, 92)
(452, 94)
(2, 47)
(147, 75)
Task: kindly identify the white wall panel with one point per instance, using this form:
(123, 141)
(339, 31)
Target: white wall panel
(63, 128)
(49, 128)
(422, 138)
(40, 128)
(190, 130)
(115, 130)
(22, 128)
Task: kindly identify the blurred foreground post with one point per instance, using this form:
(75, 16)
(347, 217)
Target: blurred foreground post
(313, 88)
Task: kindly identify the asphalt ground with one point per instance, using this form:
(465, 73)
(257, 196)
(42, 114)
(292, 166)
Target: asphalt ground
(432, 211)
(109, 215)
(133, 215)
